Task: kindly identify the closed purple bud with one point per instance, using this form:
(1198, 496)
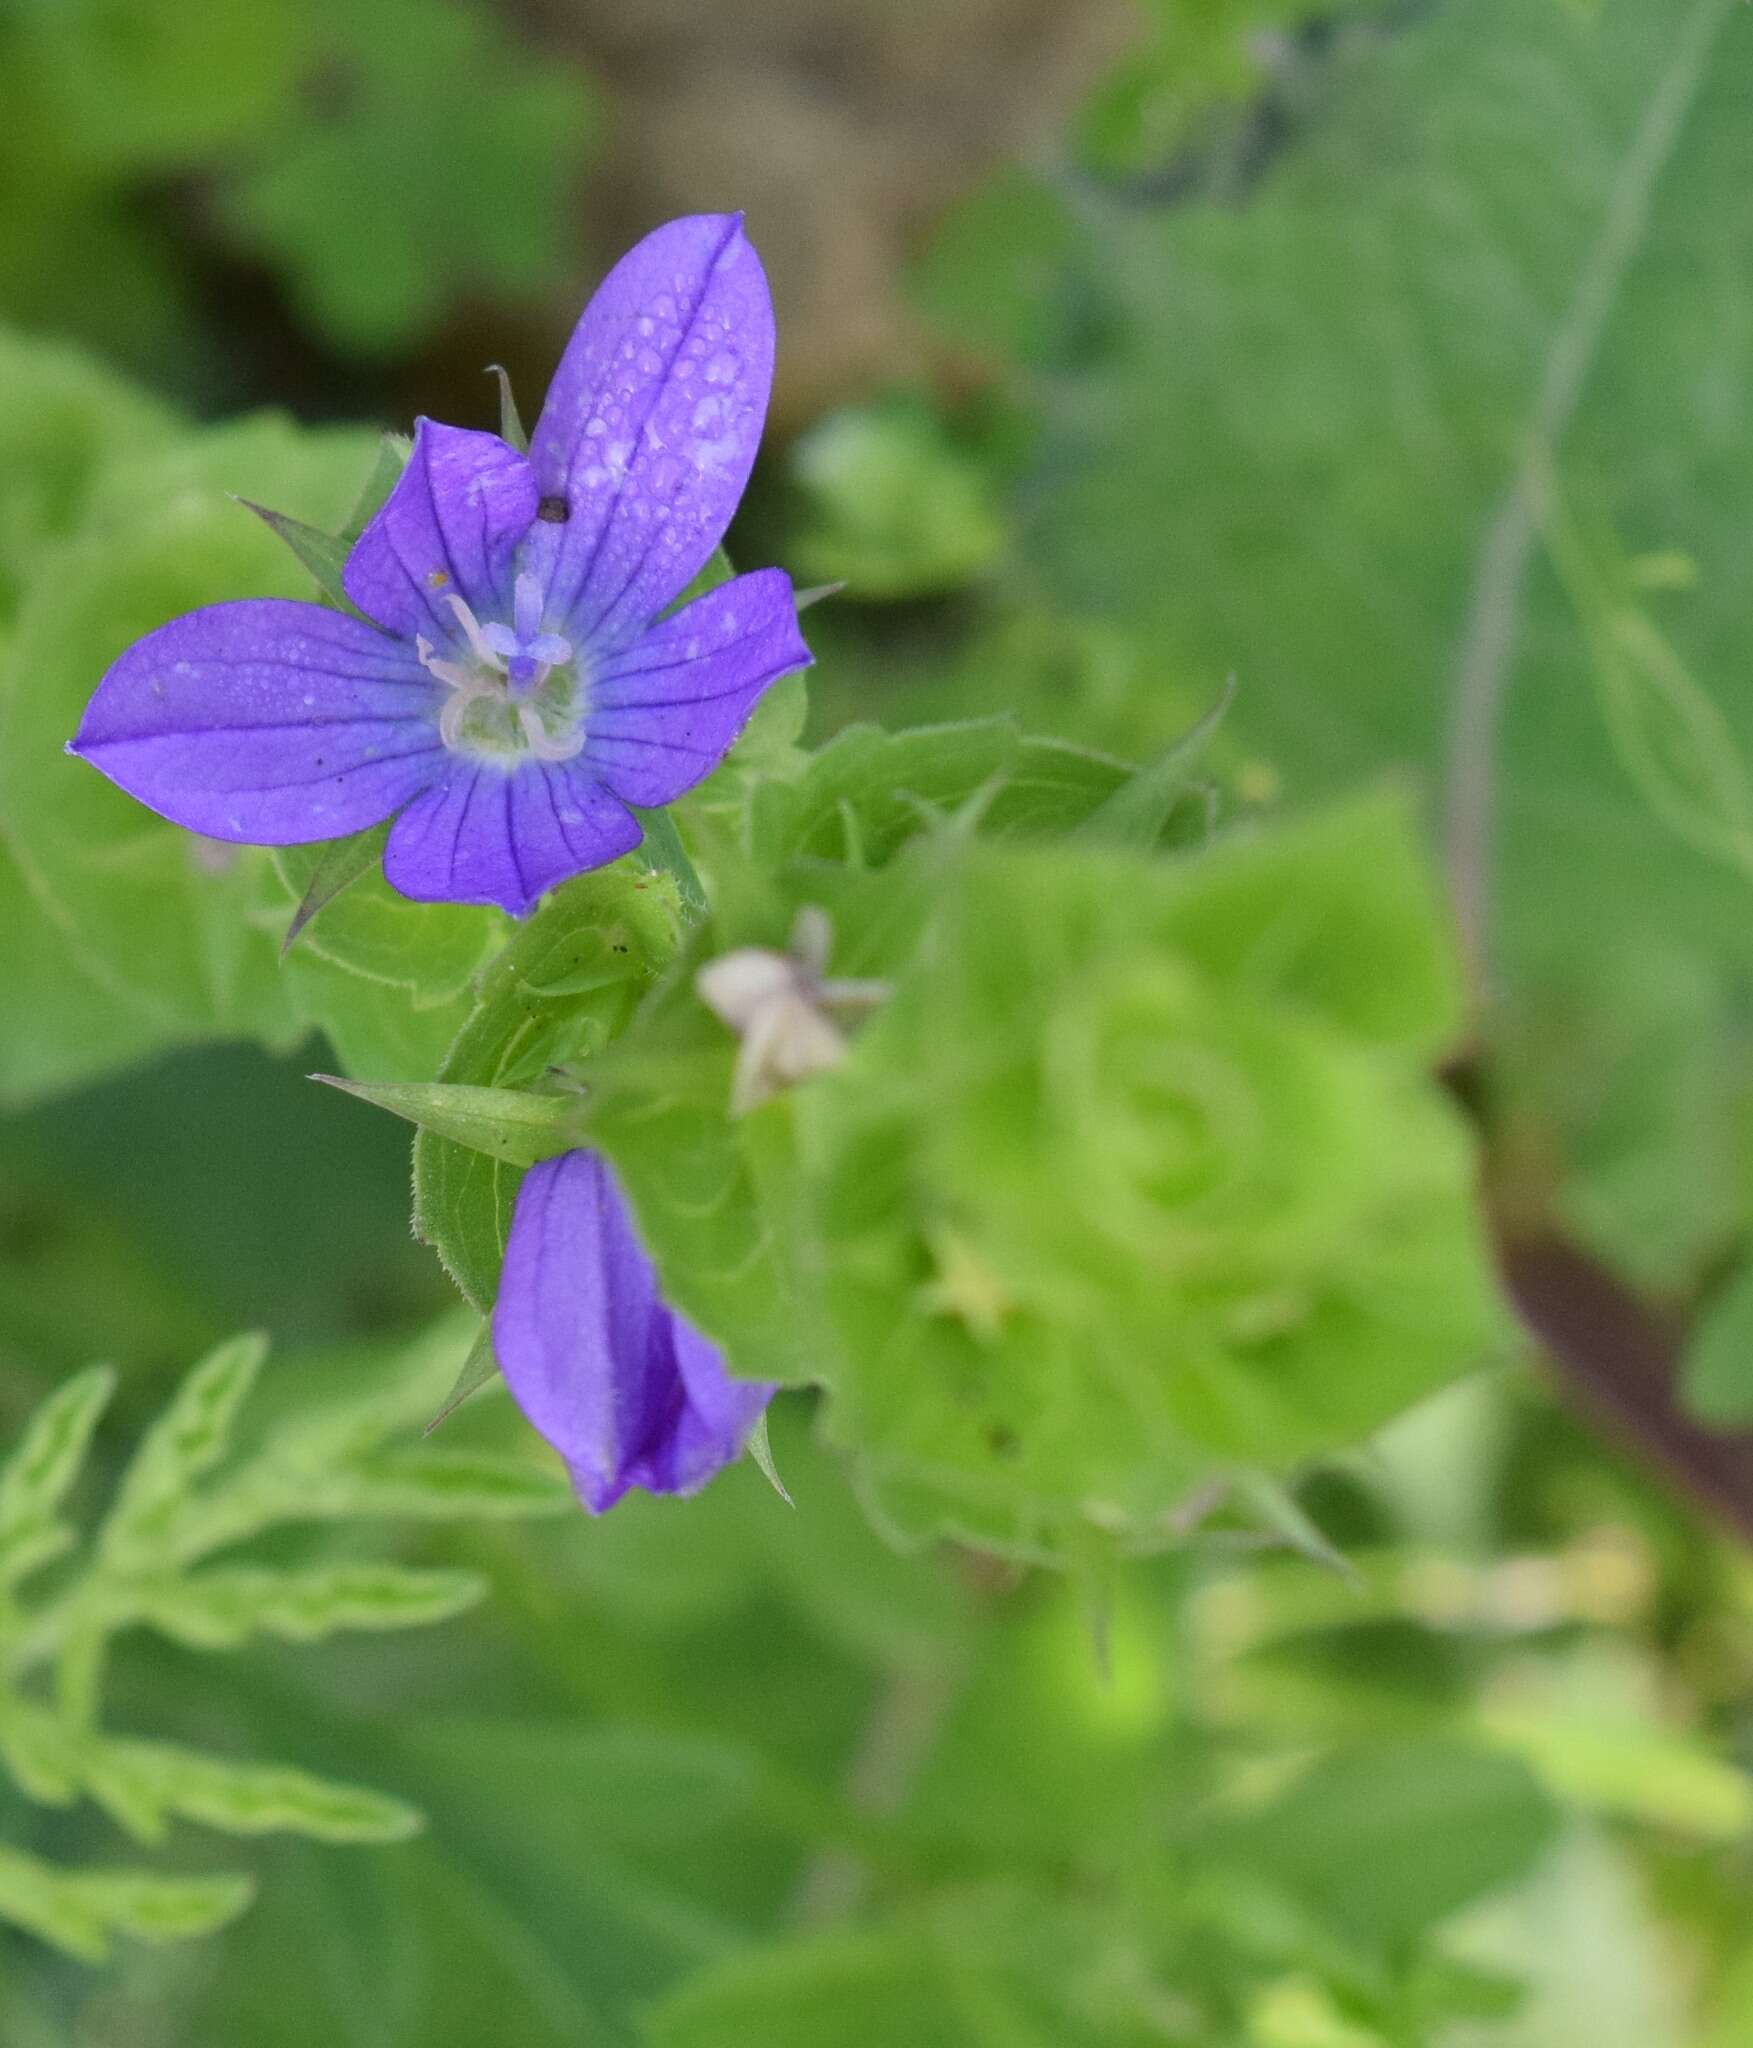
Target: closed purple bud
(622, 1385)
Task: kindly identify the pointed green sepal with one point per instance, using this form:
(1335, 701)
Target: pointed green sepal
(477, 1369)
(323, 554)
(507, 1124)
(393, 451)
(1281, 1517)
(1138, 812)
(761, 1451)
(511, 426)
(338, 867)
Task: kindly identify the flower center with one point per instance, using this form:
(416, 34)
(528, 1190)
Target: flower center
(517, 694)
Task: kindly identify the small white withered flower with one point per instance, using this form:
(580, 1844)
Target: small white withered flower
(779, 1005)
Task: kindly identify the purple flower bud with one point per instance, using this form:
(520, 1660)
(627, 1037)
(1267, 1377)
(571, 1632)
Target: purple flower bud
(511, 695)
(625, 1388)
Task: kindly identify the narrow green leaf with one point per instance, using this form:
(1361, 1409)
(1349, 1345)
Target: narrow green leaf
(78, 1911)
(1137, 813)
(38, 1751)
(218, 1609)
(164, 1909)
(441, 1485)
(342, 863)
(40, 1471)
(323, 554)
(508, 1124)
(477, 1369)
(189, 1437)
(151, 1781)
(1282, 1516)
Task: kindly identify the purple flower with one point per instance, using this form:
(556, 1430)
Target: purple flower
(512, 695)
(625, 1389)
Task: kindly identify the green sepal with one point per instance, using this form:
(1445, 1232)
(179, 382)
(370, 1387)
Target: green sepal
(511, 427)
(341, 864)
(478, 1368)
(663, 853)
(393, 451)
(508, 1124)
(323, 554)
(1138, 813)
(761, 1452)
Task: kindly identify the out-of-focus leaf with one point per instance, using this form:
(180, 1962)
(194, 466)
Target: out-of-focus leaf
(144, 1785)
(1313, 438)
(79, 1911)
(219, 1608)
(39, 1472)
(1718, 1369)
(421, 225)
(895, 509)
(188, 1439)
(151, 913)
(1387, 1842)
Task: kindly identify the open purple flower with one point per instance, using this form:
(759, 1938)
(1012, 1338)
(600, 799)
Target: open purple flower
(625, 1389)
(512, 695)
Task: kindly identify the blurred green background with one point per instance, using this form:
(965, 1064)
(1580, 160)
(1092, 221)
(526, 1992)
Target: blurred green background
(1395, 356)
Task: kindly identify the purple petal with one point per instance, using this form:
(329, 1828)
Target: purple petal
(664, 713)
(651, 425)
(624, 1389)
(449, 529)
(266, 721)
(493, 835)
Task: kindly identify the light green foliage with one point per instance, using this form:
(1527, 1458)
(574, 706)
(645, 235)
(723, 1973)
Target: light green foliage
(1719, 1359)
(80, 1911)
(314, 121)
(895, 508)
(1318, 434)
(175, 1506)
(160, 920)
(1140, 1174)
(484, 210)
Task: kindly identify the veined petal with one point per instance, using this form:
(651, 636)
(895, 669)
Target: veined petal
(664, 713)
(486, 834)
(266, 721)
(626, 1390)
(448, 530)
(651, 425)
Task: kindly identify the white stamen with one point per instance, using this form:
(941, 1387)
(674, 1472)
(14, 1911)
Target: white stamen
(483, 652)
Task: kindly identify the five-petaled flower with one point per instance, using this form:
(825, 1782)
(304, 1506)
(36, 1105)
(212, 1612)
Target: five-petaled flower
(621, 1384)
(506, 691)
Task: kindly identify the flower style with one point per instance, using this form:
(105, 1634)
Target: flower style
(625, 1388)
(506, 691)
